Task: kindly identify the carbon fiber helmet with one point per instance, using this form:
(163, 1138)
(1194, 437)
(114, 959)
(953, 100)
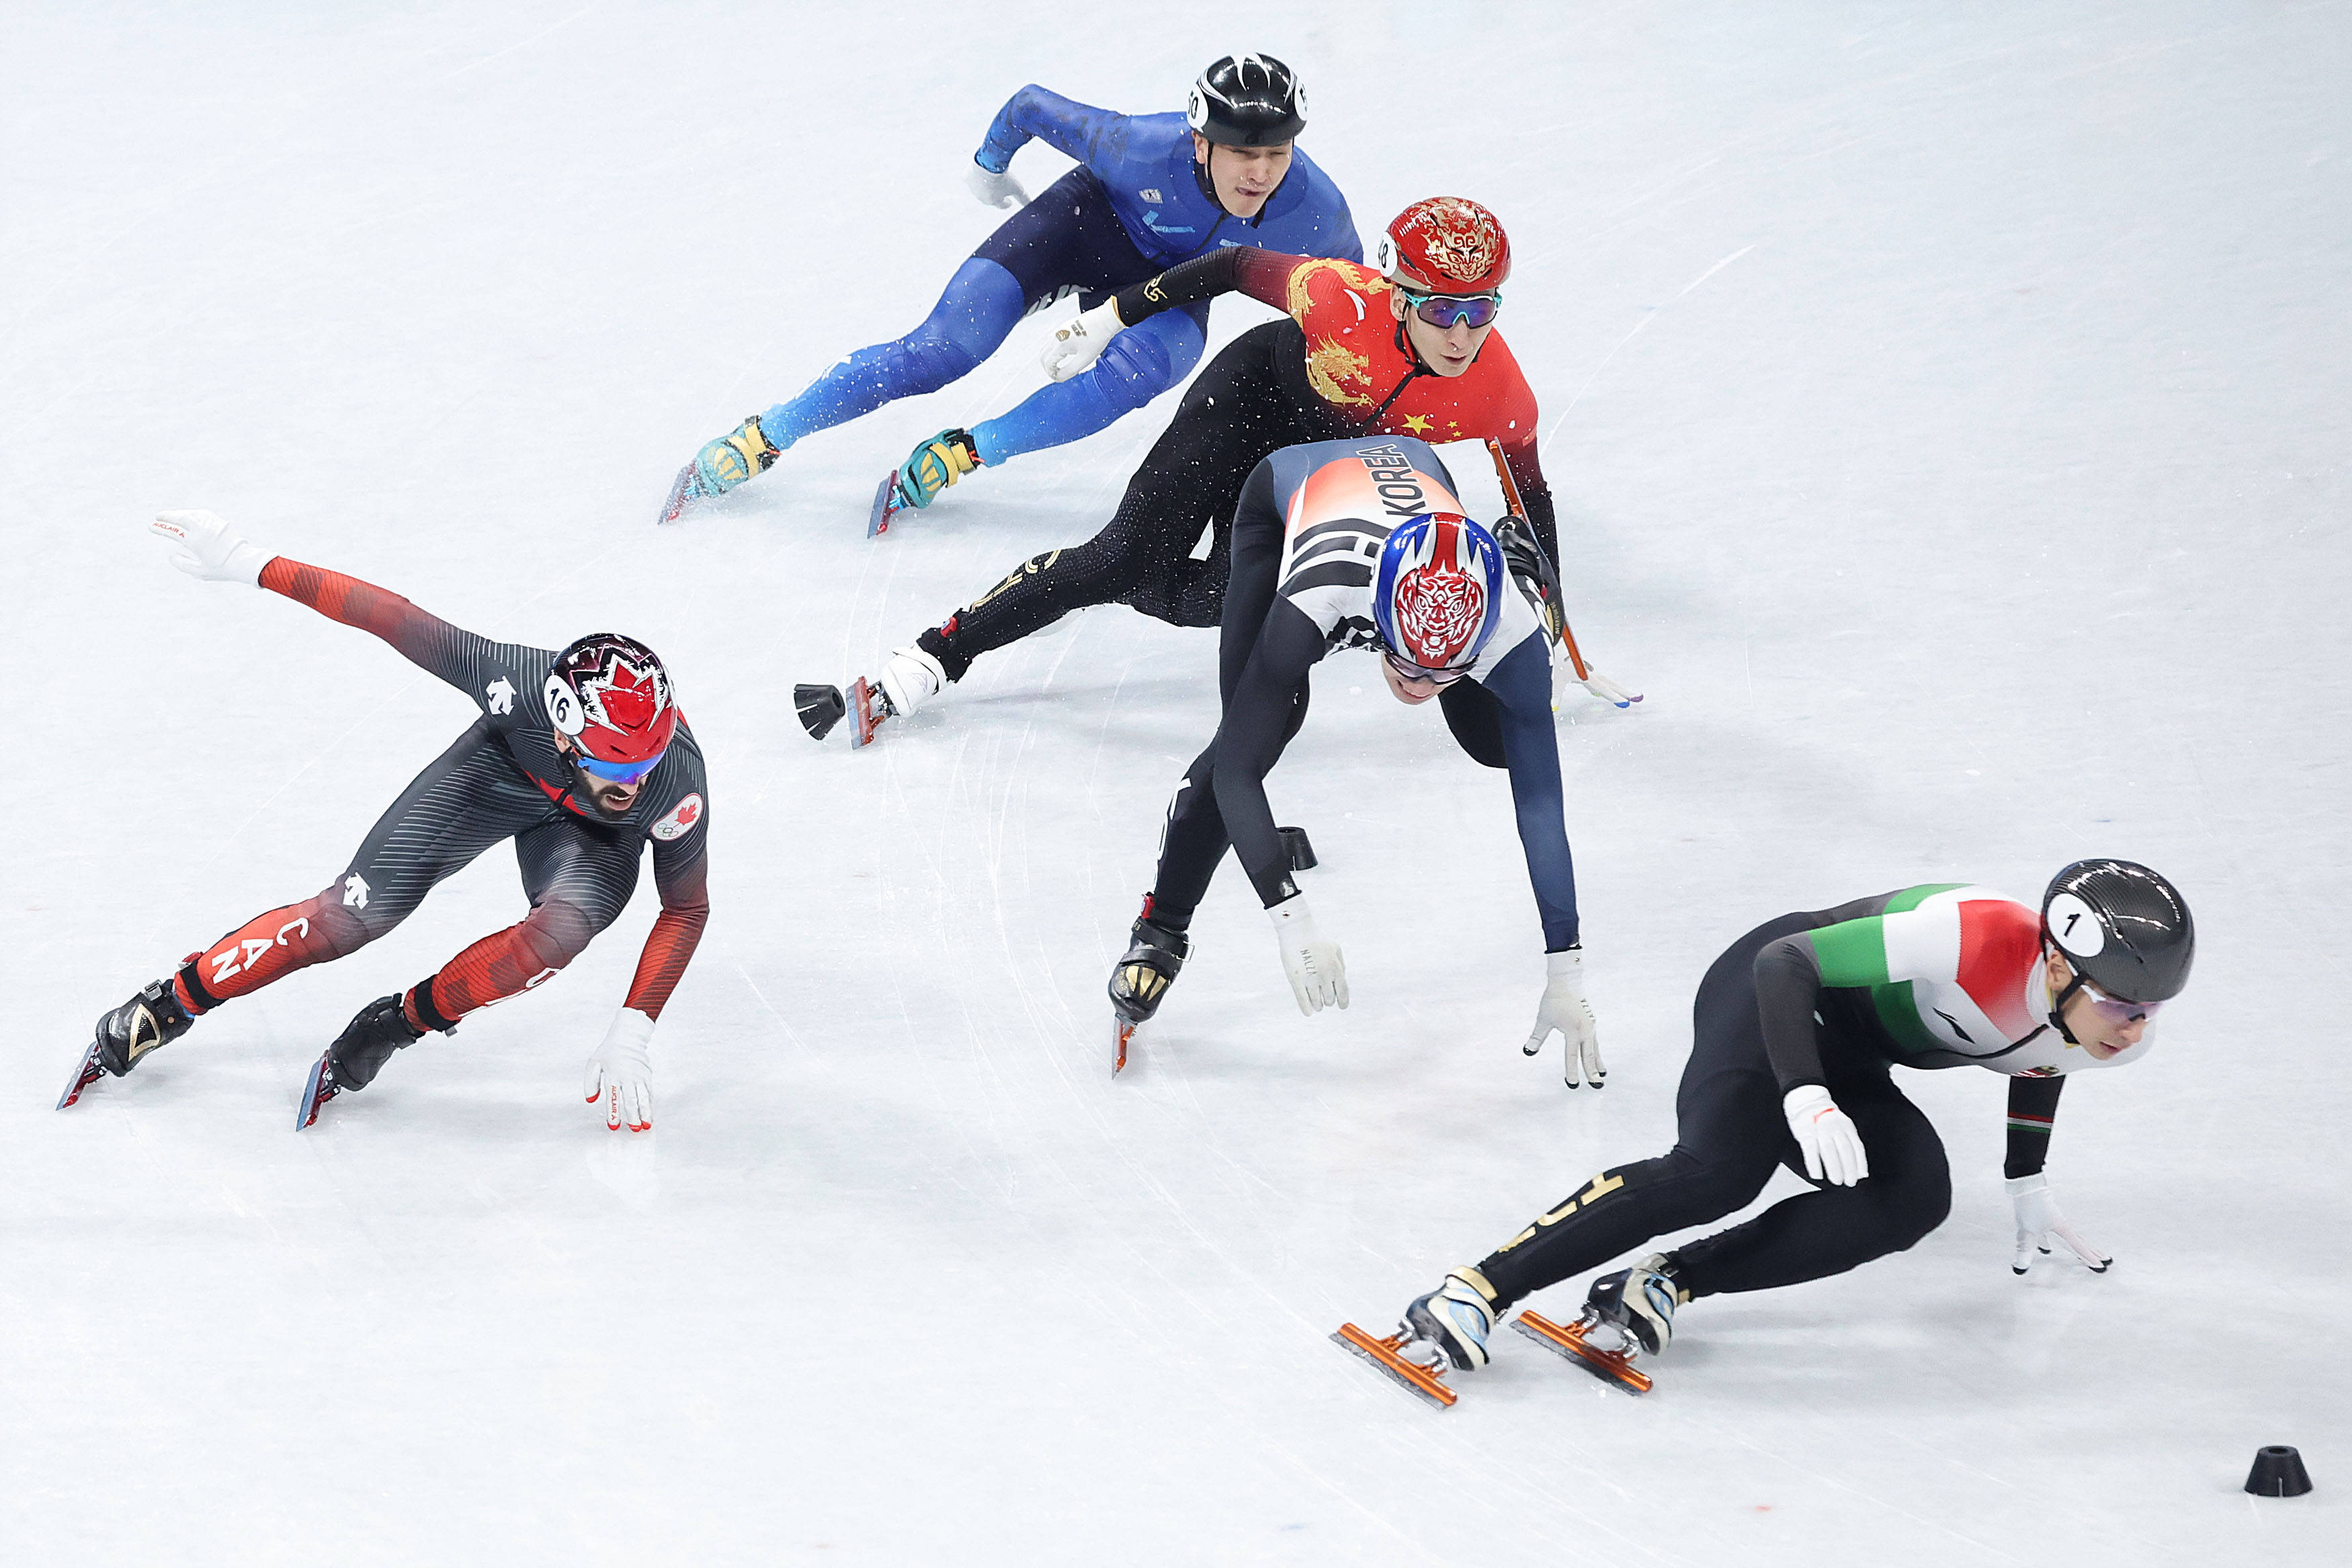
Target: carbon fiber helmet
(1247, 100)
(2122, 928)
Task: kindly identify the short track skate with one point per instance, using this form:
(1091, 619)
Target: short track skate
(1121, 1032)
(683, 494)
(1569, 1341)
(887, 504)
(320, 1089)
(1420, 1380)
(821, 707)
(87, 1074)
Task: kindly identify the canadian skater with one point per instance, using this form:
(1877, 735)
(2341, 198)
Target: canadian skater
(1796, 1028)
(579, 756)
(1362, 544)
(1408, 349)
(1148, 191)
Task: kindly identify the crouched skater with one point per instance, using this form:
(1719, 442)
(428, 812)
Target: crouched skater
(579, 756)
(1361, 544)
(1796, 1028)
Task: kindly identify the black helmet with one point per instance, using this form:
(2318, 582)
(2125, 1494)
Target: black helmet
(1248, 101)
(2121, 928)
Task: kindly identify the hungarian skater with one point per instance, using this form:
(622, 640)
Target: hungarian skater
(1362, 544)
(579, 756)
(1796, 1028)
(1148, 191)
(1405, 348)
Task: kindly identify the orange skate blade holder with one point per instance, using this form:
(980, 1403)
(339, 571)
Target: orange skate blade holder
(865, 708)
(1568, 1339)
(1382, 1354)
(1121, 1031)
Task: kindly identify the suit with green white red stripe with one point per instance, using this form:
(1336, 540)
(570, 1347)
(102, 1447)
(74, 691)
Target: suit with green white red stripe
(1796, 1028)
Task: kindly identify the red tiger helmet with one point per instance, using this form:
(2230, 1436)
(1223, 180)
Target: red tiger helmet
(1446, 245)
(611, 695)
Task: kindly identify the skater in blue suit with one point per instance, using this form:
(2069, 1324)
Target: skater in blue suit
(1148, 190)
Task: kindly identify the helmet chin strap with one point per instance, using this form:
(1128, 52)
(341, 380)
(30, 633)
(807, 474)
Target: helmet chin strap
(2058, 1003)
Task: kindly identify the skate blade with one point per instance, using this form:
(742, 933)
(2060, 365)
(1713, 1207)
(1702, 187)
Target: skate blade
(316, 1092)
(1418, 1381)
(886, 506)
(1568, 1339)
(820, 708)
(1121, 1032)
(681, 496)
(86, 1074)
(868, 709)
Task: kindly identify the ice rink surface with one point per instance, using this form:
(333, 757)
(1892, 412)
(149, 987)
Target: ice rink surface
(1948, 410)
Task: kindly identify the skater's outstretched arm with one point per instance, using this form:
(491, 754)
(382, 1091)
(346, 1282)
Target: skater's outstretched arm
(1072, 128)
(1522, 684)
(488, 672)
(680, 874)
(1250, 739)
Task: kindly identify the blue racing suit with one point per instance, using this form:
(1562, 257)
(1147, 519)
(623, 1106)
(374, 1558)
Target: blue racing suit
(1136, 204)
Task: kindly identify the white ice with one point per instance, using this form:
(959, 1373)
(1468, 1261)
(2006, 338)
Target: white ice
(1947, 407)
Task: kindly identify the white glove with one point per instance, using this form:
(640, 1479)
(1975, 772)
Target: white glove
(2038, 1220)
(994, 190)
(621, 1071)
(1078, 342)
(1833, 1143)
(1318, 977)
(1564, 1009)
(206, 548)
(1607, 690)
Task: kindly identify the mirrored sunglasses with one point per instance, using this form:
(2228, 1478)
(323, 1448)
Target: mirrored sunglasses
(617, 772)
(2116, 1009)
(1442, 311)
(1410, 671)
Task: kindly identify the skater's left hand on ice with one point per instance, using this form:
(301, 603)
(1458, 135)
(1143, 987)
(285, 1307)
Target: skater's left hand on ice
(621, 1071)
(2038, 1220)
(994, 190)
(1078, 342)
(1607, 690)
(1319, 977)
(1564, 1009)
(206, 548)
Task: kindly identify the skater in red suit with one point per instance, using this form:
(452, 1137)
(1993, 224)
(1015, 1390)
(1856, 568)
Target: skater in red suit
(579, 756)
(1407, 347)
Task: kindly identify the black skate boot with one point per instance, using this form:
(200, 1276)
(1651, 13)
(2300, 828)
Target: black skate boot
(358, 1054)
(1155, 957)
(153, 1018)
(1640, 1301)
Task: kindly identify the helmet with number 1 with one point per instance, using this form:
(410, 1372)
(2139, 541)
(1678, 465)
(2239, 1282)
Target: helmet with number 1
(2122, 928)
(1446, 245)
(1247, 100)
(611, 695)
(1437, 596)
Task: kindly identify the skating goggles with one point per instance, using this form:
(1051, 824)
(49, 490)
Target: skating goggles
(1442, 311)
(1410, 671)
(2116, 1009)
(617, 772)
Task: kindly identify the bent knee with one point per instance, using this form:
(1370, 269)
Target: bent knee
(558, 931)
(1134, 369)
(1907, 1213)
(924, 361)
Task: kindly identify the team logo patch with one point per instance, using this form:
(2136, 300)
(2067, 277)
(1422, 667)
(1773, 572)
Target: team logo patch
(681, 820)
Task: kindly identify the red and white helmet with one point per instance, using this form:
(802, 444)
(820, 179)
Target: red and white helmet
(611, 695)
(1446, 245)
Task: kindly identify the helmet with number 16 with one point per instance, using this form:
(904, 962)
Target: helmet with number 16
(610, 695)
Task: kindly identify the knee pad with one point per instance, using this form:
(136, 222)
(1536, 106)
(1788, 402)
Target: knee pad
(556, 932)
(1134, 369)
(923, 361)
